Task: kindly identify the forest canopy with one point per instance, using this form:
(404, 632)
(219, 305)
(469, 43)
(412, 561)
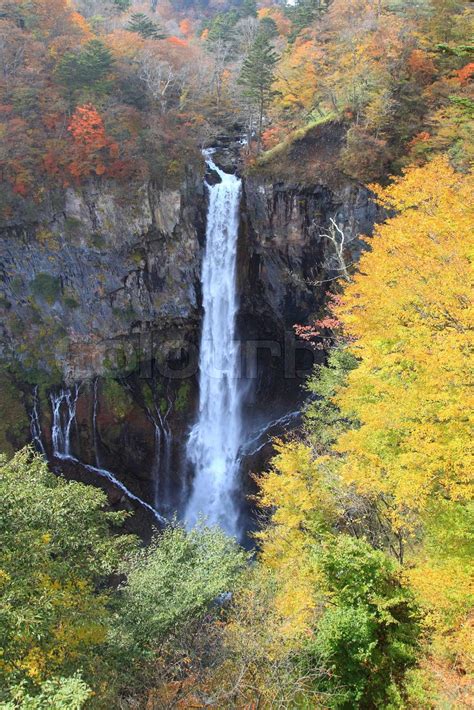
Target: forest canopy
(155, 85)
(358, 592)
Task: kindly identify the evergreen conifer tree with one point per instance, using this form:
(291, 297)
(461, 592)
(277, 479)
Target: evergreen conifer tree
(86, 69)
(144, 26)
(257, 76)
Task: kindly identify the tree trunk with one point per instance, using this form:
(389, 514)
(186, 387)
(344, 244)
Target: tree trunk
(260, 123)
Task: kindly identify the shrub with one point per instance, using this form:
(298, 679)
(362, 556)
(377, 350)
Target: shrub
(56, 550)
(367, 637)
(173, 580)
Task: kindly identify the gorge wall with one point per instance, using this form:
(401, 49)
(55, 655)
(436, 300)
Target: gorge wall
(103, 290)
(287, 256)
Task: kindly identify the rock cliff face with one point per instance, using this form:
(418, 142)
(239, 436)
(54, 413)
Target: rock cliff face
(291, 250)
(104, 290)
(102, 266)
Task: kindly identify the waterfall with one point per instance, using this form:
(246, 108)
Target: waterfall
(103, 473)
(63, 405)
(163, 440)
(262, 436)
(214, 440)
(161, 467)
(35, 426)
(162, 455)
(94, 422)
(163, 488)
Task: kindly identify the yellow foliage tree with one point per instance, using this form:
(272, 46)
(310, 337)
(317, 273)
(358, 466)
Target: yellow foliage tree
(296, 81)
(409, 313)
(300, 505)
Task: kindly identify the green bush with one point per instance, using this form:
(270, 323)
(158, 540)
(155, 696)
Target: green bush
(171, 581)
(57, 550)
(367, 637)
(55, 694)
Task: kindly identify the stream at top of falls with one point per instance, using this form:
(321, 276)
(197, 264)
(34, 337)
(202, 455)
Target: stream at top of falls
(215, 439)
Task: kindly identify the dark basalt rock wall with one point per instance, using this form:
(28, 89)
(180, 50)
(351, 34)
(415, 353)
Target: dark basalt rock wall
(287, 263)
(102, 267)
(105, 286)
(285, 254)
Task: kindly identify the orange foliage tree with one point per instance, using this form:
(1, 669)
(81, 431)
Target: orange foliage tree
(93, 149)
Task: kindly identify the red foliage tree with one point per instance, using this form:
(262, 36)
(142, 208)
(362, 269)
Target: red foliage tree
(421, 67)
(177, 41)
(466, 73)
(322, 332)
(93, 150)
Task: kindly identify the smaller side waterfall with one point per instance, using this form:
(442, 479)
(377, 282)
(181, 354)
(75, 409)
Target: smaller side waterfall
(158, 411)
(162, 454)
(35, 426)
(94, 422)
(263, 436)
(161, 466)
(63, 406)
(118, 484)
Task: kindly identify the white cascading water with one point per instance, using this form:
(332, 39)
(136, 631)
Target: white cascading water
(162, 461)
(214, 441)
(95, 433)
(35, 425)
(63, 407)
(263, 436)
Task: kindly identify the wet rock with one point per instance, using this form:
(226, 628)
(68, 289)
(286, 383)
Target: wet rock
(212, 177)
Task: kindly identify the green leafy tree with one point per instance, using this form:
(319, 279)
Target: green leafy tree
(57, 694)
(172, 581)
(256, 77)
(323, 418)
(368, 635)
(57, 549)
